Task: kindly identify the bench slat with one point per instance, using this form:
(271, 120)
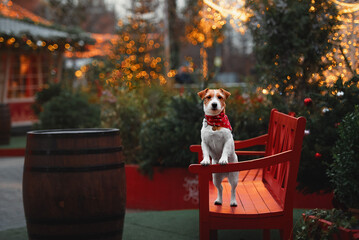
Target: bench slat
(224, 208)
(242, 175)
(252, 175)
(256, 198)
(245, 199)
(252, 198)
(271, 203)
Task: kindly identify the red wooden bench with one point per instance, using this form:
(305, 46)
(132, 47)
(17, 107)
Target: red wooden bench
(266, 185)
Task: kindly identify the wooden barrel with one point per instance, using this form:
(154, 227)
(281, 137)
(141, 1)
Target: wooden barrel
(74, 184)
(5, 124)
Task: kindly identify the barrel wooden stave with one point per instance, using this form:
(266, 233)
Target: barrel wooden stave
(74, 195)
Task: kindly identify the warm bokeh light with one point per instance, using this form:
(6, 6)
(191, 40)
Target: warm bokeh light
(345, 53)
(234, 10)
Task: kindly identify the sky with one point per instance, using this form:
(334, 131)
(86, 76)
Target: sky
(122, 5)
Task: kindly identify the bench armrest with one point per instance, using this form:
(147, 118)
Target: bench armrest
(260, 140)
(195, 148)
(245, 165)
(239, 144)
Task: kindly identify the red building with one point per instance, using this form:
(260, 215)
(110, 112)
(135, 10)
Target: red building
(31, 56)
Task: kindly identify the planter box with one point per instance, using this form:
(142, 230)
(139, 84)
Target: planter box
(177, 188)
(169, 189)
(343, 234)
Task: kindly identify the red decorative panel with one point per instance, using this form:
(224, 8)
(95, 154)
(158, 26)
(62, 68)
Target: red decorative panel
(22, 112)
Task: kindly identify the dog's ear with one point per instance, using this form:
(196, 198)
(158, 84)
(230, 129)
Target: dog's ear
(202, 93)
(226, 94)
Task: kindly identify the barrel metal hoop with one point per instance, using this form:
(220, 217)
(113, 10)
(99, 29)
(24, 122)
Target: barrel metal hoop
(73, 133)
(74, 151)
(78, 169)
(71, 221)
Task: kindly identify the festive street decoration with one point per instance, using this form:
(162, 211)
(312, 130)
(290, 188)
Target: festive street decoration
(21, 29)
(344, 57)
(308, 101)
(135, 57)
(234, 11)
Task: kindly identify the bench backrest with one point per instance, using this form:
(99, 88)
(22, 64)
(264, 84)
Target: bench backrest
(284, 133)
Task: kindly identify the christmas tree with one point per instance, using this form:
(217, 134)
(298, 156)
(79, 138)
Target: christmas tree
(136, 58)
(204, 27)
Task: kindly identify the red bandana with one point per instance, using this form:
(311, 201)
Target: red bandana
(220, 120)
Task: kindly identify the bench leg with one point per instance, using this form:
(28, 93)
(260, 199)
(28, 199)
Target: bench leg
(213, 235)
(266, 234)
(286, 234)
(204, 232)
(208, 234)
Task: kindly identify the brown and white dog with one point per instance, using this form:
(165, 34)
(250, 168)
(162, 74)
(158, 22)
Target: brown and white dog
(217, 140)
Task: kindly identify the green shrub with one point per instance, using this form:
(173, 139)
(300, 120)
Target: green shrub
(249, 116)
(311, 228)
(125, 115)
(343, 171)
(323, 117)
(165, 141)
(69, 111)
(127, 110)
(45, 95)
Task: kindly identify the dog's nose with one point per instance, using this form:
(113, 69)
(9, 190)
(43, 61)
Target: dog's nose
(214, 105)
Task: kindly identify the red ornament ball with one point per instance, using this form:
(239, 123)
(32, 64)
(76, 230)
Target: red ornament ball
(318, 155)
(308, 101)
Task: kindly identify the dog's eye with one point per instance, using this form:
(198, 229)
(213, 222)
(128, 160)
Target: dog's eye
(208, 97)
(220, 97)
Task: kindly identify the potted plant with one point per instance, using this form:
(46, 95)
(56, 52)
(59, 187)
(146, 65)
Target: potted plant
(320, 224)
(341, 223)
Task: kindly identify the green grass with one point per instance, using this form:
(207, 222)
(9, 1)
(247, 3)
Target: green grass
(15, 142)
(177, 225)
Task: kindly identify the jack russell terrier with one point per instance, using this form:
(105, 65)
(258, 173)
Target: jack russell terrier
(217, 140)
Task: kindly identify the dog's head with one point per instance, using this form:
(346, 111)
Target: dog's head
(213, 100)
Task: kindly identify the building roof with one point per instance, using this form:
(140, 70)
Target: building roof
(19, 25)
(11, 10)
(103, 47)
(14, 27)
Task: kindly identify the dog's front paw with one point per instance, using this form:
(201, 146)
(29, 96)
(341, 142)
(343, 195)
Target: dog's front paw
(223, 161)
(205, 162)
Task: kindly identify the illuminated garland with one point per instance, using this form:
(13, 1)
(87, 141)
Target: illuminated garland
(26, 42)
(346, 7)
(234, 10)
(75, 40)
(345, 54)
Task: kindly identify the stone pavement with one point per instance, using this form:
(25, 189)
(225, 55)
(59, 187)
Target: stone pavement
(11, 207)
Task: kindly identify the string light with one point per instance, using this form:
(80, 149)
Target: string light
(344, 56)
(234, 10)
(345, 8)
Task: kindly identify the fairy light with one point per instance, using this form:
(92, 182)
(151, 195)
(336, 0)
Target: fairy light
(344, 56)
(233, 10)
(345, 8)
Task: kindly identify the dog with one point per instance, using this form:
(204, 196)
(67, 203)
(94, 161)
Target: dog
(217, 140)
